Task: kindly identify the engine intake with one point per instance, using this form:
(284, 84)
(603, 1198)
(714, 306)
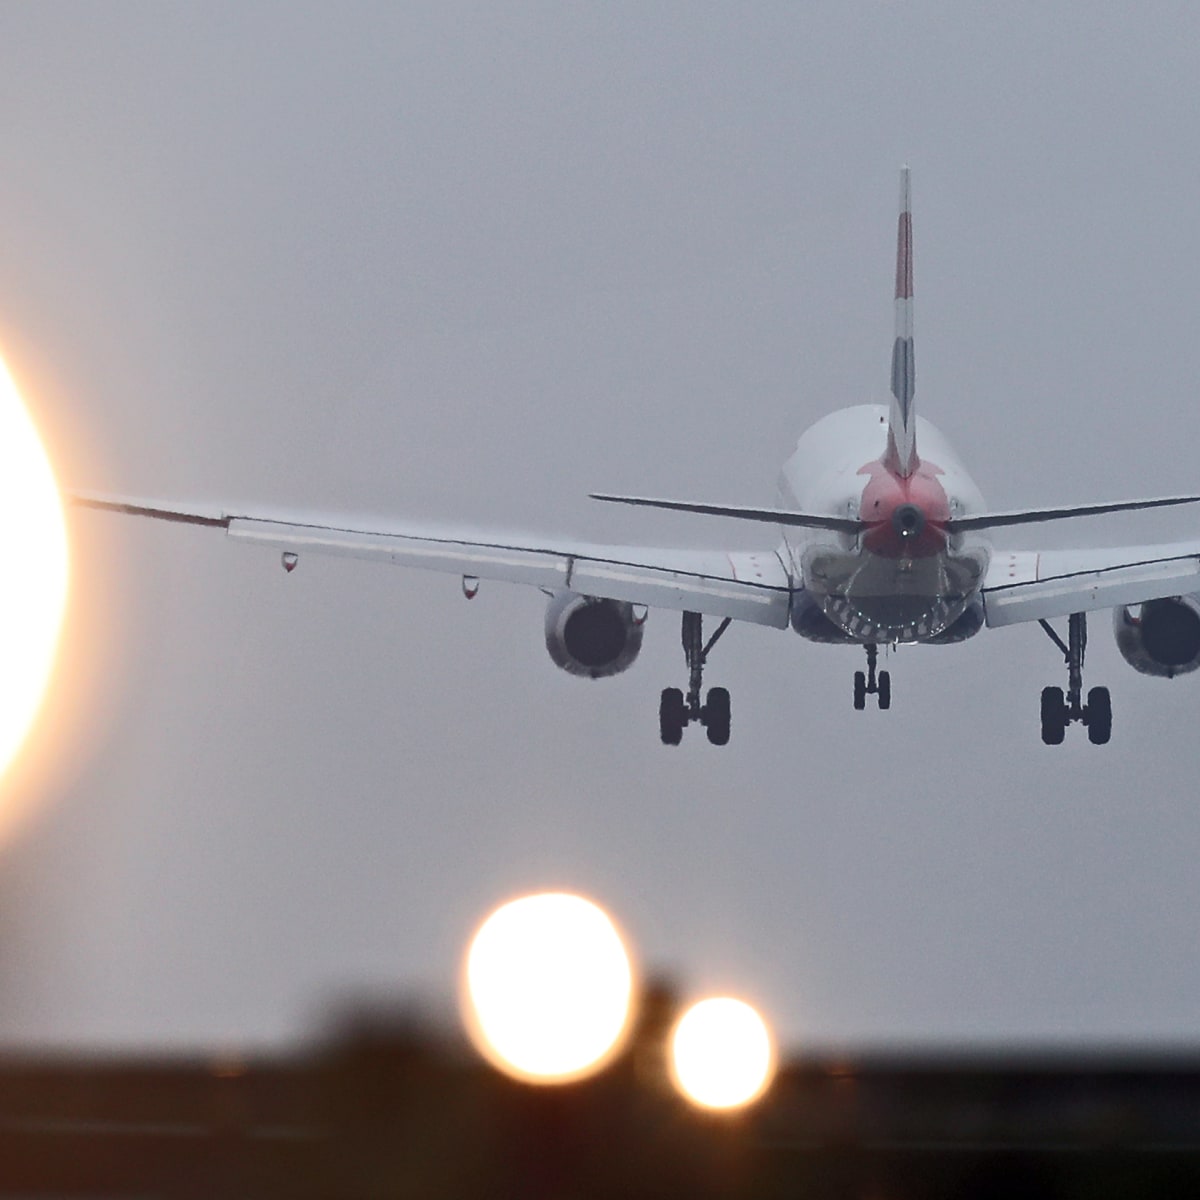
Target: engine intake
(592, 637)
(1160, 637)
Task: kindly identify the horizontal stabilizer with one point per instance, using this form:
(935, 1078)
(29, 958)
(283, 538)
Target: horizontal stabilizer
(1032, 516)
(774, 516)
(998, 520)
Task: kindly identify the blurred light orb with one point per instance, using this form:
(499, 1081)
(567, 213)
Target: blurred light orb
(548, 987)
(721, 1054)
(33, 585)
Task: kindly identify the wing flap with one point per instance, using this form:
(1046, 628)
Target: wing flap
(746, 587)
(1032, 587)
(508, 563)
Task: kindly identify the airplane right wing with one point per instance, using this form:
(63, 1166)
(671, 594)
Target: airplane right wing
(1037, 585)
(754, 587)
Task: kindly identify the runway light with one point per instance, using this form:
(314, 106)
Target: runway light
(548, 987)
(33, 578)
(721, 1054)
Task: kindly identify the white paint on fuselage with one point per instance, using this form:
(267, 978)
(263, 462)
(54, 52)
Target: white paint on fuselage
(869, 597)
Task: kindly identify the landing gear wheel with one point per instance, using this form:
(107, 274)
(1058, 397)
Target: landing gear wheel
(885, 689)
(860, 691)
(671, 716)
(1054, 716)
(716, 716)
(1099, 716)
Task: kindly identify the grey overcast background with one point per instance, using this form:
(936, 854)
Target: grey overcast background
(469, 262)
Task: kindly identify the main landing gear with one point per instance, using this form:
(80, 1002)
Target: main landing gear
(1059, 710)
(870, 684)
(675, 711)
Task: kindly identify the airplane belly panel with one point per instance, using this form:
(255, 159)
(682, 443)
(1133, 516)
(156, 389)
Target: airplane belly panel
(876, 599)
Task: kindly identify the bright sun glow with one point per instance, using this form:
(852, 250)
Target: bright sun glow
(34, 589)
(548, 988)
(721, 1054)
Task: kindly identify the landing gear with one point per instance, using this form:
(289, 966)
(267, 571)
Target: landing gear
(675, 711)
(870, 684)
(1061, 709)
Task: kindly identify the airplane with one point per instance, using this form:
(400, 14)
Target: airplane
(884, 542)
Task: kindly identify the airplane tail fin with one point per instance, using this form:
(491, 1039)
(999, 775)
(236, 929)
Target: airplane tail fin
(901, 455)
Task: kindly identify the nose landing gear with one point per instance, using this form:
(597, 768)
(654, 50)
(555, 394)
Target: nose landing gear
(1061, 709)
(675, 711)
(871, 684)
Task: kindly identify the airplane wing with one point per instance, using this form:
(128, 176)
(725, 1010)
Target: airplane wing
(1037, 585)
(754, 587)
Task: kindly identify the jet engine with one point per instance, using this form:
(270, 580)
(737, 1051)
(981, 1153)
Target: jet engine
(1160, 637)
(592, 637)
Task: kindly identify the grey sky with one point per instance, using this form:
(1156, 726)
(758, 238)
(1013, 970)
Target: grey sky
(471, 262)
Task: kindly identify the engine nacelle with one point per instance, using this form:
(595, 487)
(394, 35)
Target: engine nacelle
(1160, 637)
(592, 637)
(809, 621)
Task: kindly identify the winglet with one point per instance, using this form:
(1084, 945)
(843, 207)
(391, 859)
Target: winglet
(161, 511)
(901, 454)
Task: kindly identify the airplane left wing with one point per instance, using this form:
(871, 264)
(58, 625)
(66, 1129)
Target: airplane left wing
(754, 587)
(1037, 585)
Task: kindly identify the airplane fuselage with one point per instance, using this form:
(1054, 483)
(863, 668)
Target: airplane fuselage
(903, 577)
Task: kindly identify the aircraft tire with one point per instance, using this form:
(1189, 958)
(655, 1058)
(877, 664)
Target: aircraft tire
(860, 691)
(885, 689)
(716, 716)
(1099, 716)
(1054, 716)
(671, 717)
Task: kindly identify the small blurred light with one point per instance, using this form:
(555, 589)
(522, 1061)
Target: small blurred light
(721, 1054)
(548, 988)
(227, 1066)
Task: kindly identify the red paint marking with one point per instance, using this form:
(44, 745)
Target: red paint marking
(885, 492)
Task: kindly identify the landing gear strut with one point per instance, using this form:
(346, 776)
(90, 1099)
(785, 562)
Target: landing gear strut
(870, 684)
(675, 711)
(1059, 710)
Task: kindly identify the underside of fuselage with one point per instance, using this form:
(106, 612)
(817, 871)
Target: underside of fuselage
(872, 598)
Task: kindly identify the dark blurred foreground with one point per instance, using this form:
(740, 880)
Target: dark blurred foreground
(388, 1109)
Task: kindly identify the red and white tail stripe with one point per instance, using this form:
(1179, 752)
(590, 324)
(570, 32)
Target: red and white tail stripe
(902, 442)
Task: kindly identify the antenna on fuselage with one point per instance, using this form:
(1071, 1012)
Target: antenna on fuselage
(901, 455)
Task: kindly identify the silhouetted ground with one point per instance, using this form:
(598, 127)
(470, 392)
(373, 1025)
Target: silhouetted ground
(389, 1109)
